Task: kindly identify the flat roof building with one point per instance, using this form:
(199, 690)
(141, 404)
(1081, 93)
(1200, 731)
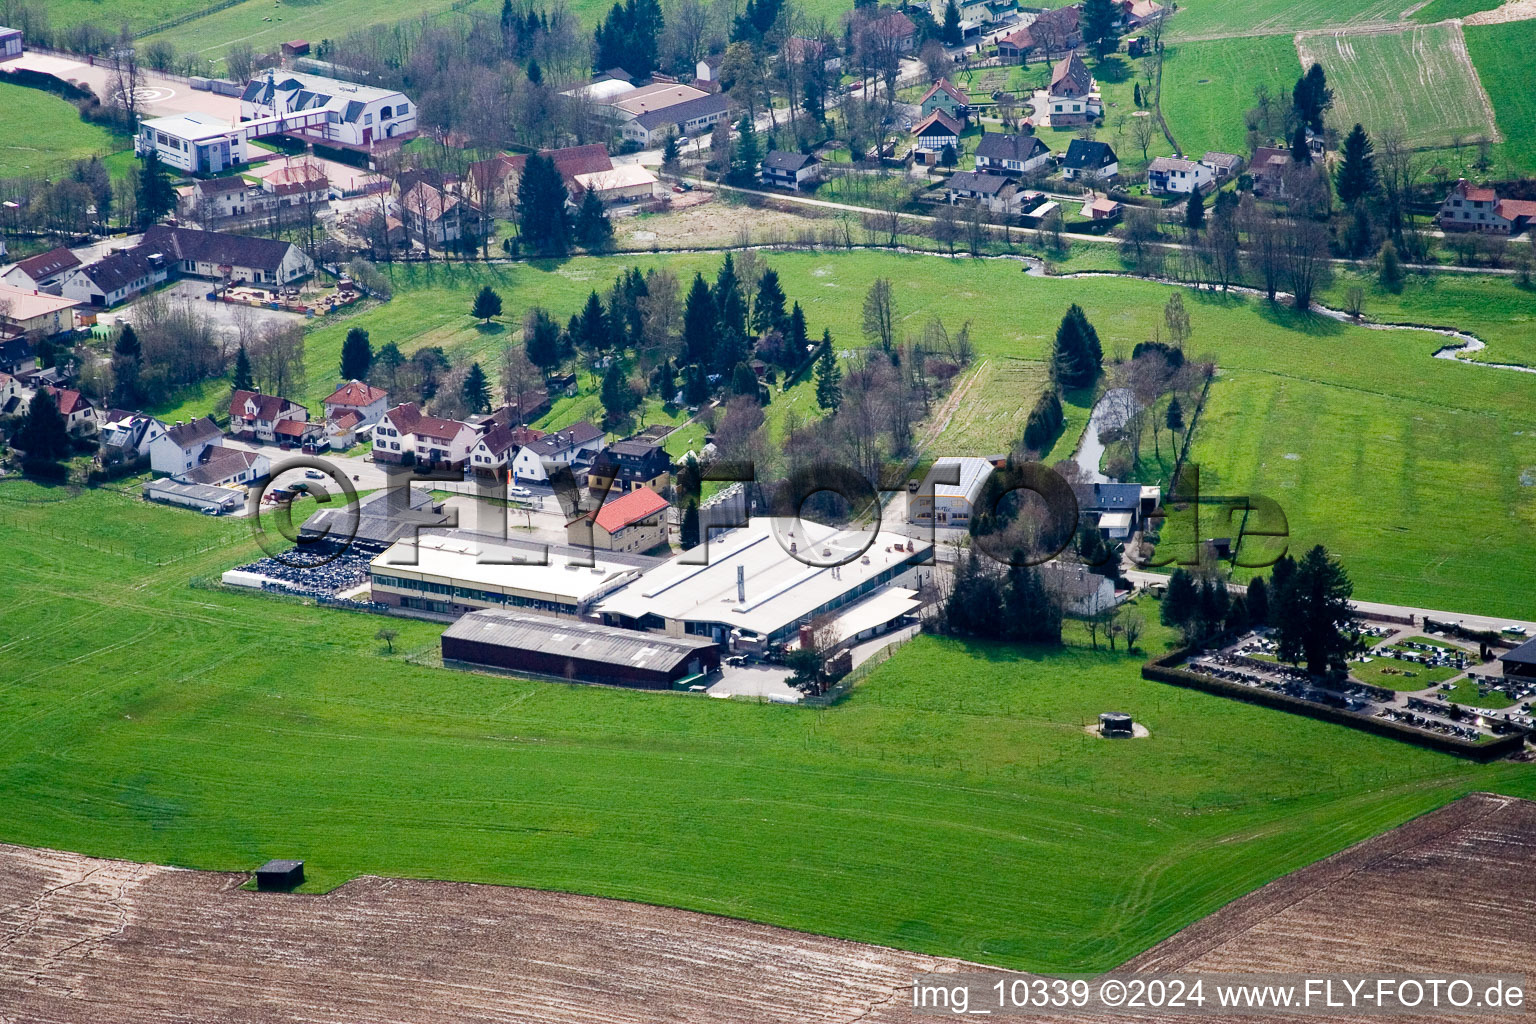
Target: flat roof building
(577, 651)
(460, 572)
(195, 143)
(755, 583)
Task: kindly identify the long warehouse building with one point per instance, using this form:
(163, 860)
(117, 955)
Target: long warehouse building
(578, 651)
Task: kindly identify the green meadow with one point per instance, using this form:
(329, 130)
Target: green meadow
(954, 804)
(1208, 86)
(54, 133)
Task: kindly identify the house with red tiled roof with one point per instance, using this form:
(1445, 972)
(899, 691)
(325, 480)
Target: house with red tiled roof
(254, 416)
(932, 134)
(78, 412)
(497, 447)
(941, 95)
(1475, 208)
(360, 397)
(494, 181)
(634, 522)
(406, 436)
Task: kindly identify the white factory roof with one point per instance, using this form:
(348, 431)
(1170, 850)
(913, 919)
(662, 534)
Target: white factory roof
(602, 92)
(973, 473)
(484, 564)
(618, 176)
(876, 610)
(780, 589)
(191, 127)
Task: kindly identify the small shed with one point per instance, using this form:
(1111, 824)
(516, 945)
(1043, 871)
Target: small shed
(296, 48)
(1115, 725)
(280, 875)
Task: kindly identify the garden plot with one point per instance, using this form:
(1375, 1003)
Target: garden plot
(1418, 81)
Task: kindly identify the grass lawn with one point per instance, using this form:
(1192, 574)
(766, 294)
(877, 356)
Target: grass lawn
(1419, 81)
(1227, 18)
(1502, 56)
(1392, 674)
(1494, 309)
(1440, 10)
(54, 133)
(1000, 393)
(1467, 694)
(1207, 87)
(137, 14)
(953, 804)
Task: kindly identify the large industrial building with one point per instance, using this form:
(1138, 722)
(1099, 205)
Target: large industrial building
(757, 585)
(583, 651)
(460, 572)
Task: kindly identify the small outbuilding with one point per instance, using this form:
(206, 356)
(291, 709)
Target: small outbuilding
(1116, 725)
(280, 875)
(1520, 663)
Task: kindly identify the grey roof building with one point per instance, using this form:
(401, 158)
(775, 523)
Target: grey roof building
(582, 651)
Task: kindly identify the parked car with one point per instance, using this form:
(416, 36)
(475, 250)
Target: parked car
(519, 492)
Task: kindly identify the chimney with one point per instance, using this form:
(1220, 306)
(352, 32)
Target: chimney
(741, 583)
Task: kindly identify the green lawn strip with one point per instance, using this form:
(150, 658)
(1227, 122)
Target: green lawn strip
(1467, 694)
(1208, 86)
(1502, 54)
(953, 805)
(54, 135)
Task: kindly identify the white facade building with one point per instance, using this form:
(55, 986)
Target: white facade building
(357, 115)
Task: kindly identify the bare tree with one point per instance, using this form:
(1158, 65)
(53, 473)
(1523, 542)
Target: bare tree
(518, 377)
(879, 321)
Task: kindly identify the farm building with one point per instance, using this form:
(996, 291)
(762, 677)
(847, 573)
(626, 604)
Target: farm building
(758, 580)
(635, 522)
(582, 651)
(454, 573)
(942, 504)
(198, 497)
(1520, 662)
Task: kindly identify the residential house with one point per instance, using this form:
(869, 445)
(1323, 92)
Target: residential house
(633, 522)
(254, 416)
(628, 465)
(167, 251)
(1055, 31)
(295, 183)
(933, 133)
(126, 437)
(494, 450)
(1224, 166)
(1270, 168)
(405, 436)
(219, 199)
(1077, 588)
(182, 445)
(787, 169)
(78, 412)
(573, 445)
(43, 272)
(226, 467)
(706, 73)
(355, 116)
(495, 180)
(995, 192)
(1013, 154)
(341, 430)
(1089, 160)
(34, 315)
(1169, 175)
(1136, 13)
(17, 355)
(1118, 510)
(941, 95)
(11, 401)
(1097, 207)
(356, 396)
(562, 384)
(434, 217)
(1473, 208)
(1071, 97)
(891, 30)
(804, 50)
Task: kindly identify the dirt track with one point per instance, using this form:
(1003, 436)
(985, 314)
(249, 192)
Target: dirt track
(93, 940)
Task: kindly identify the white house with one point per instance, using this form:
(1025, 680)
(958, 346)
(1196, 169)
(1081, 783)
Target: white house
(33, 314)
(494, 450)
(790, 170)
(357, 116)
(405, 437)
(1011, 153)
(195, 143)
(356, 396)
(577, 443)
(127, 436)
(11, 401)
(255, 416)
(182, 446)
(994, 192)
(226, 467)
(1078, 589)
(221, 256)
(78, 412)
(39, 272)
(116, 277)
(1090, 161)
(1168, 175)
(216, 199)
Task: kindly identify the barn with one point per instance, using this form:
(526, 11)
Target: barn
(580, 651)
